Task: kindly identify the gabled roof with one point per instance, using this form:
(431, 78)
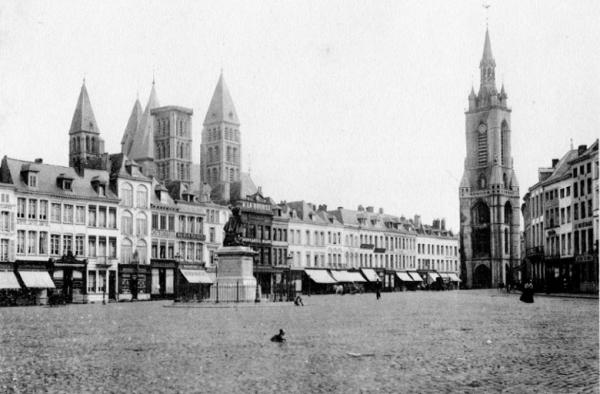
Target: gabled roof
(221, 108)
(131, 128)
(562, 167)
(48, 174)
(143, 144)
(83, 117)
(118, 168)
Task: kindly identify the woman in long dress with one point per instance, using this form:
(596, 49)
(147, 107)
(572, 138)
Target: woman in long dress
(527, 295)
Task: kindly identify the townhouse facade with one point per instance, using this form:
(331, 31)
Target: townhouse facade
(560, 213)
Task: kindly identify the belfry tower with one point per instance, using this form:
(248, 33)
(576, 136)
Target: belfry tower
(221, 148)
(86, 148)
(489, 191)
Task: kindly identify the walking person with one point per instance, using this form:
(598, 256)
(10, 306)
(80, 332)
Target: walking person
(378, 288)
(527, 295)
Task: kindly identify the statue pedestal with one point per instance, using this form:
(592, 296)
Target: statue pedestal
(235, 281)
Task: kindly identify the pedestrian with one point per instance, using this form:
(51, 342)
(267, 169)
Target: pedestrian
(278, 337)
(298, 301)
(378, 288)
(527, 295)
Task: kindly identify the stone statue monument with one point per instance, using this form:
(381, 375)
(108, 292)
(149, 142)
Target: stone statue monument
(233, 229)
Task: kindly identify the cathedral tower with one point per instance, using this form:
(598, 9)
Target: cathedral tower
(489, 191)
(221, 148)
(86, 148)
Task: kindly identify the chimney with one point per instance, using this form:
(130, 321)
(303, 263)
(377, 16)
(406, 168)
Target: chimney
(381, 211)
(360, 208)
(322, 207)
(443, 224)
(417, 220)
(370, 209)
(260, 190)
(554, 163)
(436, 224)
(39, 160)
(581, 149)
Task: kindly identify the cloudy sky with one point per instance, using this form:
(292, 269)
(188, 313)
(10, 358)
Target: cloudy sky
(341, 102)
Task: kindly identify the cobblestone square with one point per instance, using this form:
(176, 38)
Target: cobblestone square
(459, 341)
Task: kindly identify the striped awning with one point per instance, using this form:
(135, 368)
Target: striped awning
(454, 278)
(196, 276)
(8, 281)
(320, 276)
(416, 277)
(37, 279)
(346, 276)
(370, 274)
(403, 276)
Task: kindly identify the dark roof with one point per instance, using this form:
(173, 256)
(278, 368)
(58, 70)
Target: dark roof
(83, 118)
(48, 174)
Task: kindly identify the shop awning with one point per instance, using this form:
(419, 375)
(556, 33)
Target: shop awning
(403, 276)
(320, 276)
(346, 276)
(454, 278)
(433, 275)
(196, 276)
(445, 276)
(370, 274)
(8, 280)
(37, 279)
(416, 277)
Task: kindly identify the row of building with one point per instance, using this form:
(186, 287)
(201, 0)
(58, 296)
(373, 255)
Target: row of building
(560, 215)
(147, 222)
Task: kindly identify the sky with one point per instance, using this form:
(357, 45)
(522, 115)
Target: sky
(340, 102)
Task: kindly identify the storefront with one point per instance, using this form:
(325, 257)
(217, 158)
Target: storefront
(163, 278)
(318, 281)
(134, 282)
(192, 283)
(406, 282)
(69, 276)
(10, 289)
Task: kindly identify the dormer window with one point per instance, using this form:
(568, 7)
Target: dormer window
(32, 180)
(67, 183)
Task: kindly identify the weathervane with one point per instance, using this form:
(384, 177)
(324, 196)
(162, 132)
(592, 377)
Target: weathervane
(487, 6)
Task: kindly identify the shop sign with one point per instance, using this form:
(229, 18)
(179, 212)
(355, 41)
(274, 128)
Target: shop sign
(198, 237)
(583, 258)
(584, 224)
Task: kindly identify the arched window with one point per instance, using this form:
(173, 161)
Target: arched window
(142, 196)
(504, 180)
(480, 214)
(508, 213)
(482, 142)
(127, 223)
(93, 147)
(87, 143)
(127, 194)
(141, 249)
(482, 183)
(141, 225)
(506, 241)
(126, 251)
(504, 136)
(480, 238)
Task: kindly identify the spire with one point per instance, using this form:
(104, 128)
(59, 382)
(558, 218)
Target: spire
(221, 108)
(472, 94)
(83, 118)
(143, 142)
(487, 48)
(131, 128)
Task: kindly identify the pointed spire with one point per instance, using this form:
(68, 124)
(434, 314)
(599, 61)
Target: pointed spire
(472, 94)
(487, 47)
(221, 108)
(131, 128)
(83, 117)
(143, 142)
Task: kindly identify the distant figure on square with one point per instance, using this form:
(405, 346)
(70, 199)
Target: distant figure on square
(298, 301)
(527, 295)
(279, 337)
(378, 288)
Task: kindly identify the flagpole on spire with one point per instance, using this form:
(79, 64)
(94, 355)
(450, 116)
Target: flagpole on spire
(487, 6)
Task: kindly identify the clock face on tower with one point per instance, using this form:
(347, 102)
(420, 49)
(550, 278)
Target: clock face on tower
(482, 128)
